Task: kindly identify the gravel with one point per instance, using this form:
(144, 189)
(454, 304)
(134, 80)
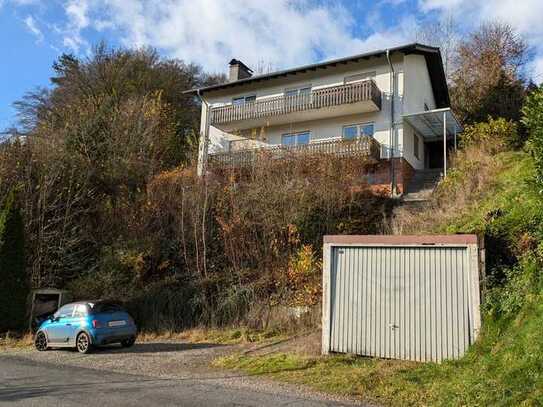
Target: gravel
(173, 360)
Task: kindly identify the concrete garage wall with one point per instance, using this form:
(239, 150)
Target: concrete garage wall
(401, 297)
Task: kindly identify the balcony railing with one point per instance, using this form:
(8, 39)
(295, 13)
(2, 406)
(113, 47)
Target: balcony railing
(317, 99)
(363, 147)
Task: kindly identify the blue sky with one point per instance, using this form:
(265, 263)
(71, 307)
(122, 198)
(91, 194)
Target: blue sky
(265, 33)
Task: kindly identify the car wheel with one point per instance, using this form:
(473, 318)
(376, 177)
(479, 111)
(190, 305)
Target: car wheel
(40, 341)
(83, 343)
(128, 342)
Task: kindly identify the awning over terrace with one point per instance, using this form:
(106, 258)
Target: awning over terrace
(437, 124)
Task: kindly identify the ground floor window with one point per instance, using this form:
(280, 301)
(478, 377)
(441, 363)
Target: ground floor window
(295, 139)
(352, 131)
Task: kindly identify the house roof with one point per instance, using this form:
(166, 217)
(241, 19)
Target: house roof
(431, 54)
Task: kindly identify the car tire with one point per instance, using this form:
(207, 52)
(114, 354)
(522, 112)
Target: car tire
(83, 343)
(40, 341)
(128, 342)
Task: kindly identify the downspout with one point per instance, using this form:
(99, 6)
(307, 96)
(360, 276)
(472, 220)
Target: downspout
(391, 133)
(204, 140)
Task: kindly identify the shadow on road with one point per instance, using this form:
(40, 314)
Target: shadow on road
(21, 393)
(152, 347)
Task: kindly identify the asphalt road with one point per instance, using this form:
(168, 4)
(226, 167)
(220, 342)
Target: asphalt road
(25, 382)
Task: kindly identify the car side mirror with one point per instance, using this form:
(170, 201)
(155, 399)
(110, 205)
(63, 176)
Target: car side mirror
(52, 318)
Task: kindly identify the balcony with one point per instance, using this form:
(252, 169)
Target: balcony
(352, 98)
(363, 147)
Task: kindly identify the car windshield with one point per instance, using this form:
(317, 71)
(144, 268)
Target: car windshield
(106, 308)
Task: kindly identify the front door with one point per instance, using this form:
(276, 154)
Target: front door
(433, 151)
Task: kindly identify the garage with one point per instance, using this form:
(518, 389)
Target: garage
(401, 297)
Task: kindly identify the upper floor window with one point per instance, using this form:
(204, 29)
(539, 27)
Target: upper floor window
(359, 77)
(352, 131)
(300, 90)
(295, 139)
(241, 100)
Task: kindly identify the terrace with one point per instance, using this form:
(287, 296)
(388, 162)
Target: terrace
(363, 147)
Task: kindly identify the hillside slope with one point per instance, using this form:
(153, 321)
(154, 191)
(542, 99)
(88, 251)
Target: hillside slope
(489, 195)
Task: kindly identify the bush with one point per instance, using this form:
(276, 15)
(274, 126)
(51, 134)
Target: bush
(492, 136)
(14, 288)
(237, 243)
(533, 120)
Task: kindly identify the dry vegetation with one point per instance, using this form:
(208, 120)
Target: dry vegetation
(473, 175)
(250, 238)
(9, 341)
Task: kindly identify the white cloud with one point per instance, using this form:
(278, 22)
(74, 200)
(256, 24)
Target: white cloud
(210, 32)
(77, 20)
(33, 28)
(281, 33)
(77, 13)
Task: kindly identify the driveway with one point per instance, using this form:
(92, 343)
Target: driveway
(149, 374)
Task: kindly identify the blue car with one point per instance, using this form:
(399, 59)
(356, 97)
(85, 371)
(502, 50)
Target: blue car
(85, 324)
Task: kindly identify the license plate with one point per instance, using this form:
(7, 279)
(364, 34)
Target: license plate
(116, 323)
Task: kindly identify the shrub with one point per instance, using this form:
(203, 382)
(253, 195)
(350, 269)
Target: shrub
(14, 288)
(248, 238)
(533, 120)
(493, 136)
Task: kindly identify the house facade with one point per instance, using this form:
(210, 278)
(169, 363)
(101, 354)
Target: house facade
(390, 104)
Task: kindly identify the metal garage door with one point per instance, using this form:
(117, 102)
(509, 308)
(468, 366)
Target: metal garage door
(409, 301)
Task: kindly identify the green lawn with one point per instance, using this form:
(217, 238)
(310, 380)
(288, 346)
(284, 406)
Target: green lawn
(504, 369)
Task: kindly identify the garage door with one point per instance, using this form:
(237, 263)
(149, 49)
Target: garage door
(413, 300)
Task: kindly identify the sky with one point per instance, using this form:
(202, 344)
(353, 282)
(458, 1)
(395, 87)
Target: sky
(270, 34)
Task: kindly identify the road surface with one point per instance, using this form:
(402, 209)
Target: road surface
(25, 382)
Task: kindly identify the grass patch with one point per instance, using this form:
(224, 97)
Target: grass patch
(224, 336)
(9, 342)
(504, 368)
(364, 378)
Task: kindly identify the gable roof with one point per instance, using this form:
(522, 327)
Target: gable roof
(431, 54)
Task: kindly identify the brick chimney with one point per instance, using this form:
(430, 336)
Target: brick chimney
(238, 70)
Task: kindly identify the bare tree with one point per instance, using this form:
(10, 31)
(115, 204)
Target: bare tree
(443, 34)
(264, 67)
(488, 78)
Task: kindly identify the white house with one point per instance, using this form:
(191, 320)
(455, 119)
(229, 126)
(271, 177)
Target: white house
(394, 99)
